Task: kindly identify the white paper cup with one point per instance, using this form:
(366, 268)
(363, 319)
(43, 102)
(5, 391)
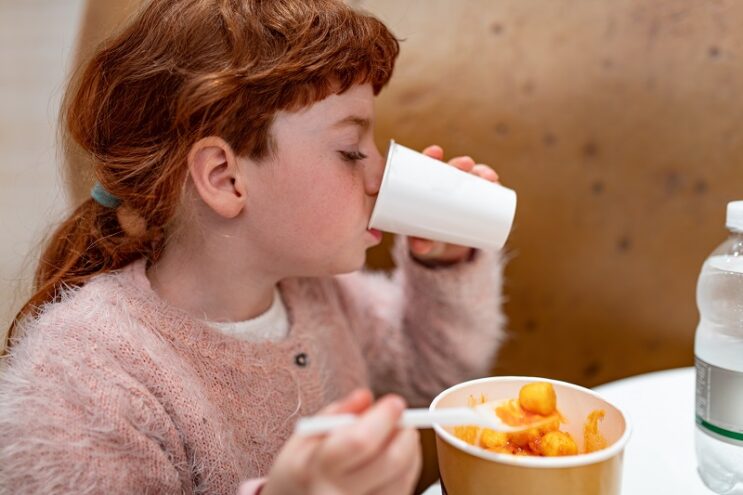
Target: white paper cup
(423, 197)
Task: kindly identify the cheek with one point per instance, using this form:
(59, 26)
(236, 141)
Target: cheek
(322, 206)
(330, 210)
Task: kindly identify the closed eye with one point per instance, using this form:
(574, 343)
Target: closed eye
(352, 156)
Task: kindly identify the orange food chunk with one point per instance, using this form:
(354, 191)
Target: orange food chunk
(494, 440)
(469, 434)
(539, 398)
(546, 439)
(557, 443)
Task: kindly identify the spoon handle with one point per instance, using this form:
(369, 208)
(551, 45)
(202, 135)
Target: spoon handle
(416, 418)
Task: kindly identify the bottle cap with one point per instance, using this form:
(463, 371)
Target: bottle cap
(735, 216)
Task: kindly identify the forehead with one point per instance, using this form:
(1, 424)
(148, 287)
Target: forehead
(336, 110)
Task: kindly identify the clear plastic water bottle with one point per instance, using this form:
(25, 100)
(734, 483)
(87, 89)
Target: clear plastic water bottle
(719, 362)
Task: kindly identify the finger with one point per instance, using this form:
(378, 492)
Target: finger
(405, 484)
(351, 446)
(355, 403)
(398, 470)
(485, 172)
(464, 163)
(427, 249)
(434, 151)
(437, 250)
(299, 451)
(250, 487)
(393, 461)
(446, 254)
(420, 246)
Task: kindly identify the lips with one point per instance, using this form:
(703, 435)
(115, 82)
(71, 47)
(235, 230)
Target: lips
(376, 233)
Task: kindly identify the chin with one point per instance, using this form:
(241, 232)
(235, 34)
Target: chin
(349, 264)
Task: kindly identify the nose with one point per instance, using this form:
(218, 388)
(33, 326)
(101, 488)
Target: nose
(374, 171)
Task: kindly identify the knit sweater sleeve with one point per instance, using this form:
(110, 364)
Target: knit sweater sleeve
(424, 329)
(75, 422)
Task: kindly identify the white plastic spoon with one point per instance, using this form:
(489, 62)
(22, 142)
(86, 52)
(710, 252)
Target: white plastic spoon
(481, 415)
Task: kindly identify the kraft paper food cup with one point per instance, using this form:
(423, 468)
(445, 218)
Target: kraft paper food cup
(469, 470)
(424, 197)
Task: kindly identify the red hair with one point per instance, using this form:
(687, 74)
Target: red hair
(183, 70)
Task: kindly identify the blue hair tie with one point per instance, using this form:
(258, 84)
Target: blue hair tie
(103, 197)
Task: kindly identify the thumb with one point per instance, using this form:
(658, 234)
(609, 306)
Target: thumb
(354, 403)
(426, 249)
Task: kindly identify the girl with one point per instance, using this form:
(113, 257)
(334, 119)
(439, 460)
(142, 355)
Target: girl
(189, 312)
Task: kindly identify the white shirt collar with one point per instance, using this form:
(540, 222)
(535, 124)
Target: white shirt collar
(272, 325)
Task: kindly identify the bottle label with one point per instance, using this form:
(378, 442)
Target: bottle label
(719, 402)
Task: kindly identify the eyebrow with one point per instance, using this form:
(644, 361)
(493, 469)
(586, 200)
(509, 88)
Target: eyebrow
(361, 122)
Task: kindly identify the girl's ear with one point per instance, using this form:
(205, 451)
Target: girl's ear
(215, 173)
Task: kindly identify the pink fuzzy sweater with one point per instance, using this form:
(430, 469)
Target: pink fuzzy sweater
(112, 390)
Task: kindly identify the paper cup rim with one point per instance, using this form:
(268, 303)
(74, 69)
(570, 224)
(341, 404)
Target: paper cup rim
(380, 194)
(536, 462)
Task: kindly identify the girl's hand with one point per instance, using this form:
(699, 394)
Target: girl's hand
(434, 253)
(373, 456)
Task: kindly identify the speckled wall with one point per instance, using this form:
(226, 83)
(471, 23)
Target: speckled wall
(619, 124)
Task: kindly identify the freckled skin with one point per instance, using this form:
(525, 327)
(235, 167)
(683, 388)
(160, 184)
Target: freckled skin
(308, 195)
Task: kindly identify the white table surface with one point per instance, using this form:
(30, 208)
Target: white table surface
(659, 458)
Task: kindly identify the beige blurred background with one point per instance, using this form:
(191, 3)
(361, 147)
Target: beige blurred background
(37, 41)
(617, 122)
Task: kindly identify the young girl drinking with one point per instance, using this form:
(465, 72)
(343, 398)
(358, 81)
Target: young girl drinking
(190, 311)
